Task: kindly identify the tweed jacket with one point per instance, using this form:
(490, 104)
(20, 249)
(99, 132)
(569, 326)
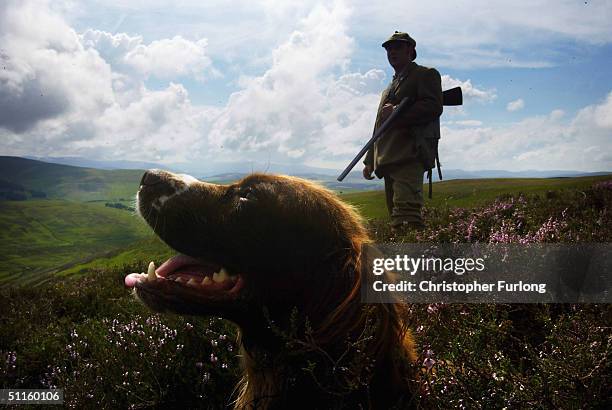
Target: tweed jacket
(419, 123)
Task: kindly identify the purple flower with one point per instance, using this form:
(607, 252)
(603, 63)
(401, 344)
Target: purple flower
(429, 363)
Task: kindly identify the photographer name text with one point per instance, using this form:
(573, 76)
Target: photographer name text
(403, 264)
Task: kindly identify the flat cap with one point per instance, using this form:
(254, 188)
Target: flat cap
(400, 36)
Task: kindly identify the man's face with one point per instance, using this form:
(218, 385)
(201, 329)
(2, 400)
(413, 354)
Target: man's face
(399, 54)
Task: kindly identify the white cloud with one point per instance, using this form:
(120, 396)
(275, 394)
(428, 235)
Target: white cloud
(305, 105)
(469, 91)
(515, 105)
(161, 125)
(484, 33)
(472, 34)
(169, 58)
(600, 114)
(464, 123)
(540, 142)
(46, 72)
(164, 59)
(59, 96)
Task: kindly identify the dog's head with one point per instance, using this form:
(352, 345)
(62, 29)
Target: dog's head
(258, 251)
(267, 241)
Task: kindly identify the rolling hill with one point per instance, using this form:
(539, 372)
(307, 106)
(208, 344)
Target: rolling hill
(72, 230)
(69, 182)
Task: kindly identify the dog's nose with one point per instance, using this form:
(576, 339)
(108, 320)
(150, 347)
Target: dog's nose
(150, 178)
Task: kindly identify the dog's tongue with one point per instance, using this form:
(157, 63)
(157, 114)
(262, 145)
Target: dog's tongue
(171, 265)
(131, 279)
(175, 263)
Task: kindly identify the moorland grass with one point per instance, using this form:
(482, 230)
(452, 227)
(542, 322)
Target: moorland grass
(91, 338)
(40, 237)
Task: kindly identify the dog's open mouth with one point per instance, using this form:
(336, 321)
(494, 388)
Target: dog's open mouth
(190, 273)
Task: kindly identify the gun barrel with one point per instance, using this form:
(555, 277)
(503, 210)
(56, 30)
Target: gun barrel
(381, 130)
(452, 96)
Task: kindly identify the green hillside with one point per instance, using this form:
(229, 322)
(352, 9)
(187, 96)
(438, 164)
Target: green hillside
(40, 237)
(71, 231)
(68, 182)
(471, 192)
(371, 204)
(139, 254)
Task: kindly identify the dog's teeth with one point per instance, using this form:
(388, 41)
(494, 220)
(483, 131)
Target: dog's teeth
(206, 281)
(220, 276)
(180, 279)
(151, 272)
(192, 282)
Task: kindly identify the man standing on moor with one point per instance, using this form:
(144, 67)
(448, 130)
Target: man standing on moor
(409, 147)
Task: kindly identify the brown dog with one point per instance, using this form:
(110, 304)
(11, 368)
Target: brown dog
(280, 257)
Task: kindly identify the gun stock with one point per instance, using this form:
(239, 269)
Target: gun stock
(453, 96)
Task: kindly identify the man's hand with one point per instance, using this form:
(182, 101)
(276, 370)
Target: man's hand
(367, 172)
(387, 109)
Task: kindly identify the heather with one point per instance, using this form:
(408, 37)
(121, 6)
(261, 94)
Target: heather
(515, 356)
(93, 339)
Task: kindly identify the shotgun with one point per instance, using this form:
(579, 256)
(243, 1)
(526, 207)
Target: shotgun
(449, 97)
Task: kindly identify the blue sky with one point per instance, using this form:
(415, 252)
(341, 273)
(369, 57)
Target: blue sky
(200, 85)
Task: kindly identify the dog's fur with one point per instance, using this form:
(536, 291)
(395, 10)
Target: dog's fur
(307, 341)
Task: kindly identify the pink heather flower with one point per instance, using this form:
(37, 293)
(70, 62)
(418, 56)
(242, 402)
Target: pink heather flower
(470, 229)
(604, 185)
(429, 363)
(505, 234)
(11, 359)
(551, 229)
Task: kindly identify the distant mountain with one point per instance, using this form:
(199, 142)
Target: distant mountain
(70, 182)
(461, 174)
(221, 170)
(91, 183)
(355, 181)
(193, 169)
(90, 163)
(252, 166)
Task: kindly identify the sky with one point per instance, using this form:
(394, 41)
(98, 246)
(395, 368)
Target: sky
(200, 85)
